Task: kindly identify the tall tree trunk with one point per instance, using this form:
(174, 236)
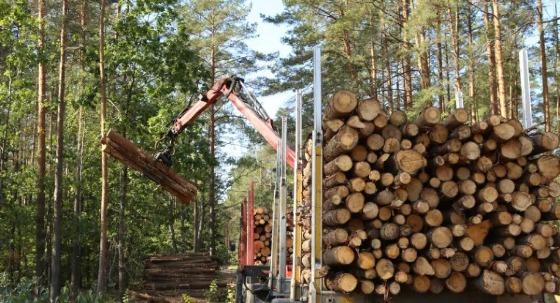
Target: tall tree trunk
(58, 178)
(122, 232)
(397, 86)
(12, 251)
(212, 192)
(40, 229)
(3, 165)
(513, 97)
(454, 24)
(494, 105)
(557, 61)
(447, 71)
(498, 53)
(75, 273)
(347, 43)
(441, 97)
(472, 87)
(49, 213)
(196, 245)
(389, 81)
(513, 82)
(406, 62)
(171, 223)
(544, 74)
(212, 138)
(372, 71)
(349, 64)
(103, 251)
(201, 218)
(423, 58)
(227, 240)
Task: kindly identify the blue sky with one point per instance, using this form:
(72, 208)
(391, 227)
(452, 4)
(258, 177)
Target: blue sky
(268, 40)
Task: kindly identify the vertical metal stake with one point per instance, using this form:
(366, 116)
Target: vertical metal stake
(296, 255)
(317, 181)
(243, 244)
(282, 211)
(275, 222)
(251, 225)
(525, 89)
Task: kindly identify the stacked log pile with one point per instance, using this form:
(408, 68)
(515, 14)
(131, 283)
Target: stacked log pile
(434, 203)
(304, 213)
(263, 235)
(177, 274)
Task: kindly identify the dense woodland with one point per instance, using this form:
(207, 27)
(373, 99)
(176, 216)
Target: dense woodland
(74, 223)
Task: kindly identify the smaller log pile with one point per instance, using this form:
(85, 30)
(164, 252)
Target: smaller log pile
(263, 235)
(304, 213)
(433, 204)
(177, 274)
(289, 235)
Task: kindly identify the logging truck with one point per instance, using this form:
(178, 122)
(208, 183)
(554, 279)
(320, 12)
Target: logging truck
(386, 208)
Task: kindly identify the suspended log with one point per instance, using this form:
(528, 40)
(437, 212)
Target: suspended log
(132, 156)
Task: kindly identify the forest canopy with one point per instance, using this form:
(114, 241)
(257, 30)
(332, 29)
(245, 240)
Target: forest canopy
(73, 220)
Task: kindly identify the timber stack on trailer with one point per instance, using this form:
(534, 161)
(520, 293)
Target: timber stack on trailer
(432, 204)
(304, 214)
(263, 235)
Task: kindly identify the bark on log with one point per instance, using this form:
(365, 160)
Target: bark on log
(491, 283)
(342, 103)
(343, 282)
(344, 140)
(340, 255)
(130, 155)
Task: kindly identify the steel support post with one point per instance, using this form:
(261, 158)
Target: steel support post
(316, 182)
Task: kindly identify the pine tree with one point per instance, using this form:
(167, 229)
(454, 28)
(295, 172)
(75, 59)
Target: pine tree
(103, 249)
(498, 54)
(218, 28)
(40, 234)
(544, 71)
(58, 176)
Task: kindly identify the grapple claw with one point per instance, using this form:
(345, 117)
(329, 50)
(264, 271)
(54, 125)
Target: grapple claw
(165, 157)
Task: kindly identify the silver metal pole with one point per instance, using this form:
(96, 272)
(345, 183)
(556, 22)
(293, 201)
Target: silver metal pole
(525, 89)
(282, 211)
(317, 181)
(297, 236)
(273, 241)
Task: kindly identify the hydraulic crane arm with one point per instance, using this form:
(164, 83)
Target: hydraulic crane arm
(250, 109)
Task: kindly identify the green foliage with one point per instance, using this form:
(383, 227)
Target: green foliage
(230, 293)
(152, 68)
(215, 294)
(24, 290)
(219, 30)
(187, 299)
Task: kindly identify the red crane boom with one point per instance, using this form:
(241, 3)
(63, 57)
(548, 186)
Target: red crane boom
(158, 168)
(254, 113)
